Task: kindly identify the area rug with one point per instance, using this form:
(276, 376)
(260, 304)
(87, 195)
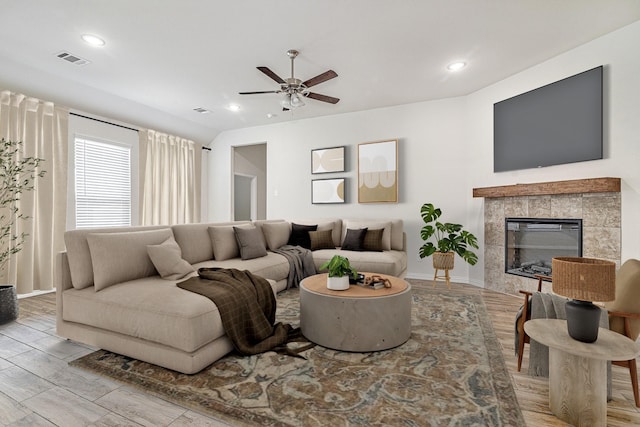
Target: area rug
(450, 373)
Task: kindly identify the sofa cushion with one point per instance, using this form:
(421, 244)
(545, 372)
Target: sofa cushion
(223, 241)
(167, 259)
(391, 262)
(79, 256)
(250, 242)
(373, 240)
(373, 224)
(151, 309)
(272, 267)
(354, 239)
(195, 242)
(276, 234)
(119, 257)
(300, 235)
(321, 239)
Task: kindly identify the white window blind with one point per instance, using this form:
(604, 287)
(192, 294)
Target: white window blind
(103, 184)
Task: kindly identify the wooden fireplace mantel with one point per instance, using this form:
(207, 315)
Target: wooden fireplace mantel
(591, 185)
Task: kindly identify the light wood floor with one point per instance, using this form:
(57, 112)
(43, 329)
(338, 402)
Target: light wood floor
(31, 342)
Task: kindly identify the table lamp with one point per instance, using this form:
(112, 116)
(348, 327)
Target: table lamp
(583, 280)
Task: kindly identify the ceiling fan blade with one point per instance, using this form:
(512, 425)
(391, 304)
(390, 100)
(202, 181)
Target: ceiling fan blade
(271, 74)
(327, 75)
(254, 93)
(323, 98)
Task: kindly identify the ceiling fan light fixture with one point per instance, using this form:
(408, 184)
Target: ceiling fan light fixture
(286, 101)
(296, 100)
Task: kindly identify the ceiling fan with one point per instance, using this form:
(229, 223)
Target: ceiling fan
(295, 90)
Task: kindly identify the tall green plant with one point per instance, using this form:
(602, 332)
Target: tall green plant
(448, 237)
(17, 176)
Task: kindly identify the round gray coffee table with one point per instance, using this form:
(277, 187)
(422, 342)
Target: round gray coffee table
(356, 319)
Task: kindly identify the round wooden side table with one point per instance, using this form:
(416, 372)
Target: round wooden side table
(578, 370)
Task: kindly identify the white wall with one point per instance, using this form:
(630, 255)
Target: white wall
(426, 132)
(446, 150)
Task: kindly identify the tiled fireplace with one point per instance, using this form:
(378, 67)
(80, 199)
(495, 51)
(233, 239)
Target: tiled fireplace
(596, 202)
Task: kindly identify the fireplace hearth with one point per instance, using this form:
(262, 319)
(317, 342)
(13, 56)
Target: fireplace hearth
(531, 243)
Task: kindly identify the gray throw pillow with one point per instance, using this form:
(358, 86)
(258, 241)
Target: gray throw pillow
(250, 243)
(354, 239)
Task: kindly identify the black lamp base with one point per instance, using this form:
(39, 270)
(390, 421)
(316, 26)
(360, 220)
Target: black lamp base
(583, 320)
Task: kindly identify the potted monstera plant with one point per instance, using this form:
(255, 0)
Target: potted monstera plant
(444, 239)
(17, 176)
(339, 272)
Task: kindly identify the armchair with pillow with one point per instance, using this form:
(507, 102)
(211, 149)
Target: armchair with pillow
(624, 314)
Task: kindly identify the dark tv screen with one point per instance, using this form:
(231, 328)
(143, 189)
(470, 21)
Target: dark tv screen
(556, 124)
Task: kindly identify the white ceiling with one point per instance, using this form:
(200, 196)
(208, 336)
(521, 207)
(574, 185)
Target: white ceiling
(165, 57)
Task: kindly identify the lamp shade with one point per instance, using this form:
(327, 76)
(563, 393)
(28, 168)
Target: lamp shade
(584, 279)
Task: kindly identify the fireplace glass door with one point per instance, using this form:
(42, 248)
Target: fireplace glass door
(531, 243)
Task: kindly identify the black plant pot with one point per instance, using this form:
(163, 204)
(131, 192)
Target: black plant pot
(583, 320)
(8, 304)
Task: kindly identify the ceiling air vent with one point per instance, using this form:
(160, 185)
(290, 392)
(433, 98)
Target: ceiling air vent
(201, 110)
(74, 59)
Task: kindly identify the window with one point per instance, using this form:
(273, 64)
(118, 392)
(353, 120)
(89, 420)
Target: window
(103, 184)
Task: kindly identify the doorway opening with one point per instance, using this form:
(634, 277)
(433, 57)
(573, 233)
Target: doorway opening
(249, 192)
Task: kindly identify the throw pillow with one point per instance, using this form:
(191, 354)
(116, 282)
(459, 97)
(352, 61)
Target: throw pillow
(120, 257)
(354, 239)
(373, 240)
(300, 235)
(167, 259)
(276, 233)
(373, 224)
(250, 243)
(224, 242)
(321, 240)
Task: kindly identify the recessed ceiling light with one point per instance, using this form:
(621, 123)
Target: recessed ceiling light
(456, 66)
(271, 115)
(93, 40)
(234, 107)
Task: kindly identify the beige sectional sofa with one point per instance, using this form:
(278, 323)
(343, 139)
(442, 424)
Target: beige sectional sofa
(110, 295)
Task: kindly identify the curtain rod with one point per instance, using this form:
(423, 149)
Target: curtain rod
(102, 121)
(115, 124)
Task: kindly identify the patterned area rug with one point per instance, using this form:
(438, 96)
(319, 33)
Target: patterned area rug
(450, 373)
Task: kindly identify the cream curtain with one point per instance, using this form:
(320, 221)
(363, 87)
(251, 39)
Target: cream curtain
(43, 129)
(171, 179)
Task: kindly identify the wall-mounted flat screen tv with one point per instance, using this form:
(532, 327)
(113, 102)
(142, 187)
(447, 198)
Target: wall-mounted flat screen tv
(556, 124)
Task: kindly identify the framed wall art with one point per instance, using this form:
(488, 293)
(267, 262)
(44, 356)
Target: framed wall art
(327, 190)
(378, 172)
(326, 160)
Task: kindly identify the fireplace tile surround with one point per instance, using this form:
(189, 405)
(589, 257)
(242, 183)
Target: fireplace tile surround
(600, 212)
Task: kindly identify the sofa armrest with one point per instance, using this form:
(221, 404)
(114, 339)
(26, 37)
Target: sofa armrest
(63, 273)
(61, 283)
